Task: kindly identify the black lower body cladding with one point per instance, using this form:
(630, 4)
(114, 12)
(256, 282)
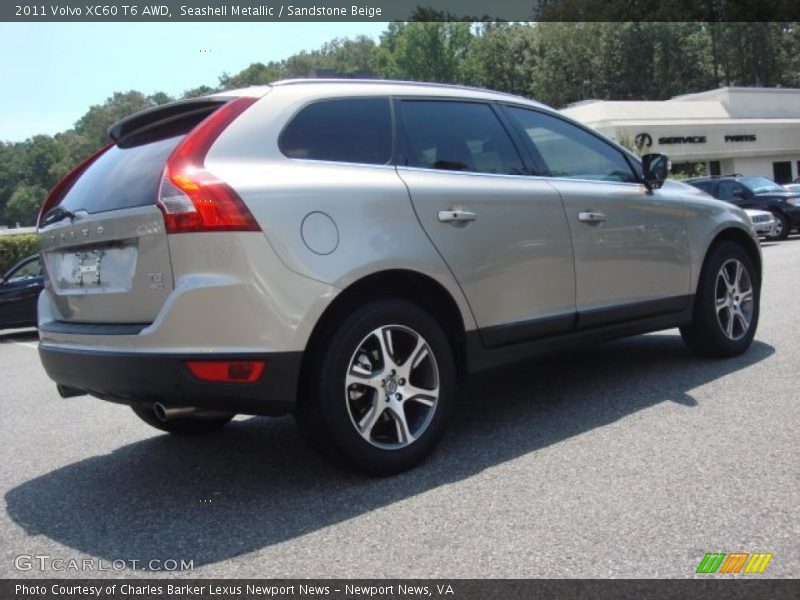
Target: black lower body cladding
(136, 378)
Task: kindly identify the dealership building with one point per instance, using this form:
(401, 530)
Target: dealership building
(751, 131)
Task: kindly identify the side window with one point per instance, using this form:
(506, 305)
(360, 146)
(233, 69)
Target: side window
(706, 186)
(568, 151)
(731, 190)
(27, 271)
(457, 136)
(356, 130)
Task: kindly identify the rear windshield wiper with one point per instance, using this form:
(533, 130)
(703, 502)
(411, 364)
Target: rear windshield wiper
(55, 214)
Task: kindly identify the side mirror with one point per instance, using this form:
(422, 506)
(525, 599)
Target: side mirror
(655, 168)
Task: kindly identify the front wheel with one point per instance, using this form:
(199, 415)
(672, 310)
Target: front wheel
(726, 304)
(380, 388)
(781, 231)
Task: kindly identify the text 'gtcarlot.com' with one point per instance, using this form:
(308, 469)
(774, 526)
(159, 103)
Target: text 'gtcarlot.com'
(45, 562)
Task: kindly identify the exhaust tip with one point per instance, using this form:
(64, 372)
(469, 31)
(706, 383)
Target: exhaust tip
(160, 411)
(69, 392)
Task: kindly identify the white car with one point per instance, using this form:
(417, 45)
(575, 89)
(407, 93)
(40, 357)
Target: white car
(764, 222)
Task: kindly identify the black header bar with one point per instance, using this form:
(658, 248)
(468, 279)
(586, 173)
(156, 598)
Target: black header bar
(398, 10)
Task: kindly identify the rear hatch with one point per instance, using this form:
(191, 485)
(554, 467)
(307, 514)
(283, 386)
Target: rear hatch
(102, 230)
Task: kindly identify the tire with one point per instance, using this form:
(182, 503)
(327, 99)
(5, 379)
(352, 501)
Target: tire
(782, 231)
(182, 425)
(380, 388)
(726, 306)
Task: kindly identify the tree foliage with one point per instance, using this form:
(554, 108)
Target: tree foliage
(23, 206)
(554, 62)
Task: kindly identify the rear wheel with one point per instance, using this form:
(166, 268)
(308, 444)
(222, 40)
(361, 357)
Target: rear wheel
(380, 388)
(726, 304)
(181, 425)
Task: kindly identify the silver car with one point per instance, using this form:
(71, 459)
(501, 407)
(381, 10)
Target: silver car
(764, 222)
(348, 251)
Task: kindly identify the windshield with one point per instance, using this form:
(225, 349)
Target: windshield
(759, 185)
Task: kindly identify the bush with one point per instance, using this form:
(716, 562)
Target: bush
(14, 248)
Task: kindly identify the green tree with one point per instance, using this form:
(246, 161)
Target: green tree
(93, 126)
(202, 90)
(254, 74)
(503, 57)
(23, 206)
(757, 54)
(12, 165)
(570, 59)
(434, 51)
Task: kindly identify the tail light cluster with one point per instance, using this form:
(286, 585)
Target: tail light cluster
(193, 199)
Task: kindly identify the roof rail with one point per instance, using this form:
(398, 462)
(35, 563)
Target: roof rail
(301, 81)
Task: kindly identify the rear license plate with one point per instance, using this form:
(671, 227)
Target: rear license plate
(84, 268)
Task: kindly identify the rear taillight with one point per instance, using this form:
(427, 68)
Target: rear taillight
(62, 187)
(193, 199)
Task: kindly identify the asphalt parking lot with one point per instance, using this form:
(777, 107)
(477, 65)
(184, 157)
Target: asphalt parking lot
(632, 459)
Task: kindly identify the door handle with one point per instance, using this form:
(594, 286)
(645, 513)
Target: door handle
(456, 216)
(587, 216)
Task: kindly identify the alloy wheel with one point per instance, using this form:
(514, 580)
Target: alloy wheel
(392, 387)
(733, 299)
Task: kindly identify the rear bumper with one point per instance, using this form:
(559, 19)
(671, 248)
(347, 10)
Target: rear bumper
(144, 378)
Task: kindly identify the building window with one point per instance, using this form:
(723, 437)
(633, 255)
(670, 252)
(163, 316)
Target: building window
(782, 171)
(714, 168)
(688, 169)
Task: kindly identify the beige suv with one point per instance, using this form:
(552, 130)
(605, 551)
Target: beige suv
(348, 251)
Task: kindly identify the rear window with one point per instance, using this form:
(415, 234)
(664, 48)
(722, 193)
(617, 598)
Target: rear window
(122, 177)
(355, 130)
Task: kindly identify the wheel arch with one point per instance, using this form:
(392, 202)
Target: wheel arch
(413, 286)
(740, 237)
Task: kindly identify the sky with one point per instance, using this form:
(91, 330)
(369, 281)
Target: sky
(51, 73)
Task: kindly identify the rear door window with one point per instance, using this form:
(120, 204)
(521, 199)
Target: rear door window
(456, 136)
(353, 130)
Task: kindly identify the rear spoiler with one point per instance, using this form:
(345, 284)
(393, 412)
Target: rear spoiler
(166, 113)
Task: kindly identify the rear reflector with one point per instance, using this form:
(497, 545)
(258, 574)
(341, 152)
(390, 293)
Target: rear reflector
(193, 199)
(62, 187)
(227, 371)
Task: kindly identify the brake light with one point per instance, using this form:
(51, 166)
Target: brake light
(192, 198)
(62, 187)
(227, 371)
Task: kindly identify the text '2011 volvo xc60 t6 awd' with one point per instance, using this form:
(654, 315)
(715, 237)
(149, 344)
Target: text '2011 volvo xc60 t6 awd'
(348, 251)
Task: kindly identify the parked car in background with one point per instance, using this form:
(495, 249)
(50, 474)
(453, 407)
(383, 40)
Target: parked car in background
(348, 251)
(19, 291)
(760, 193)
(764, 223)
(793, 187)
